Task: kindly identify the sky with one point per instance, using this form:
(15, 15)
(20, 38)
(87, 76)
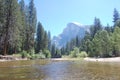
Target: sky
(56, 14)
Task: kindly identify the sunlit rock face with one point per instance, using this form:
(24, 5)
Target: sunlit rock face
(72, 30)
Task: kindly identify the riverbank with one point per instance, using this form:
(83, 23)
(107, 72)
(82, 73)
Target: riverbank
(11, 58)
(113, 59)
(4, 60)
(63, 59)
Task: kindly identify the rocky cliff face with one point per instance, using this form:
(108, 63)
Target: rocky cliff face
(72, 30)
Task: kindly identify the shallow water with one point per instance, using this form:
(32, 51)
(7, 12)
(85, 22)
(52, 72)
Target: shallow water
(59, 70)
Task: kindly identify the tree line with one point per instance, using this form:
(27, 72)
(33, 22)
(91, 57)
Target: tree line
(99, 41)
(20, 32)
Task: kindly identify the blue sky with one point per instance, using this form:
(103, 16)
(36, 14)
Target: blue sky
(56, 14)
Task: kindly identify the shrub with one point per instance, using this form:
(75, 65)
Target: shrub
(74, 53)
(40, 55)
(24, 54)
(83, 54)
(47, 53)
(32, 54)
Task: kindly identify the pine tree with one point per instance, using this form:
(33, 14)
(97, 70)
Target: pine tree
(22, 6)
(77, 41)
(96, 27)
(2, 21)
(23, 23)
(115, 15)
(102, 44)
(85, 43)
(32, 20)
(116, 41)
(32, 16)
(117, 23)
(53, 51)
(12, 26)
(58, 53)
(68, 48)
(45, 40)
(39, 38)
(49, 41)
(27, 30)
(63, 51)
(108, 28)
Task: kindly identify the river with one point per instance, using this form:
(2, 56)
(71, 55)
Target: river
(59, 70)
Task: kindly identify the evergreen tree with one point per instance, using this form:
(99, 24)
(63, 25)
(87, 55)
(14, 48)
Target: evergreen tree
(12, 26)
(117, 23)
(23, 23)
(2, 23)
(32, 20)
(39, 38)
(45, 40)
(72, 43)
(32, 16)
(102, 44)
(49, 41)
(85, 43)
(53, 51)
(22, 6)
(96, 27)
(58, 53)
(63, 51)
(77, 41)
(68, 48)
(115, 15)
(108, 28)
(116, 41)
(27, 30)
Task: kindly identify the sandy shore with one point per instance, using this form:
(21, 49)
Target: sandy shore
(114, 59)
(62, 59)
(4, 60)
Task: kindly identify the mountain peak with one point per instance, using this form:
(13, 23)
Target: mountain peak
(77, 23)
(74, 24)
(72, 30)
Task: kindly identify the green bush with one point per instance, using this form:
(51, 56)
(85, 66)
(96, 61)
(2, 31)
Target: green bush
(24, 54)
(32, 54)
(17, 55)
(74, 53)
(40, 55)
(83, 54)
(47, 53)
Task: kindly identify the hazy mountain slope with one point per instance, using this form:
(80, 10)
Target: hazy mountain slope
(71, 31)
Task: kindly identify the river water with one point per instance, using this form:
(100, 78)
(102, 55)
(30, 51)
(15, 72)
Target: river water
(59, 70)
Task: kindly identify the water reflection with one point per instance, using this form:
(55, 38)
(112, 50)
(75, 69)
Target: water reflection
(59, 70)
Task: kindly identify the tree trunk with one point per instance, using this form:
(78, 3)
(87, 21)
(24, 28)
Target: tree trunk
(5, 44)
(5, 50)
